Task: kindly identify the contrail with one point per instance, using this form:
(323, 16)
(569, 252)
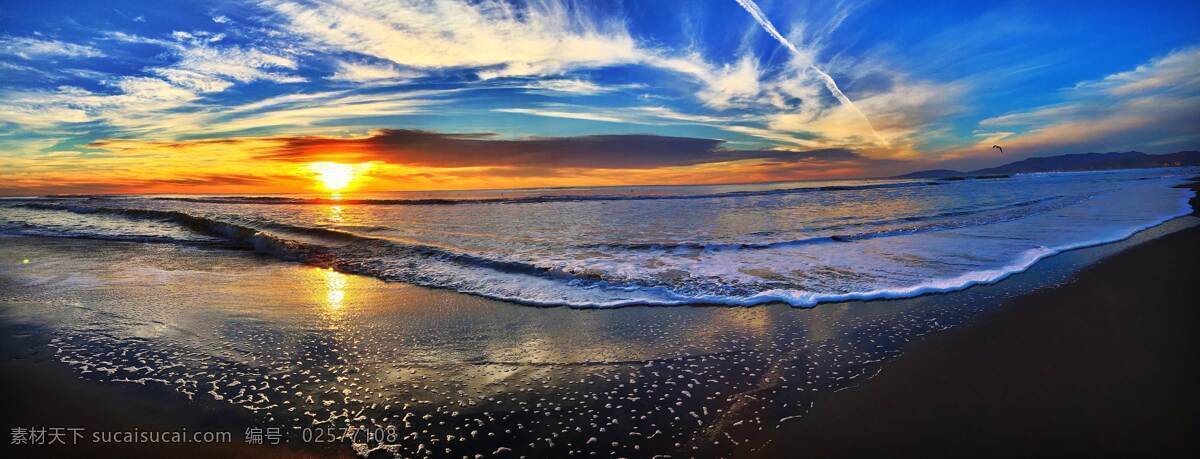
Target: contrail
(762, 20)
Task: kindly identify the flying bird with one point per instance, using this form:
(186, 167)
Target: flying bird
(997, 147)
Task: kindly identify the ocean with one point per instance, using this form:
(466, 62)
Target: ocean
(799, 243)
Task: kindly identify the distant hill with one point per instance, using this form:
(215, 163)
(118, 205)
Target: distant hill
(1073, 162)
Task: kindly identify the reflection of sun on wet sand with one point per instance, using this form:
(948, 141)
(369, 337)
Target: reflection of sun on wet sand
(335, 294)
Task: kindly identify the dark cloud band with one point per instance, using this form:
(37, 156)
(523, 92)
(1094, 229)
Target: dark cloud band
(627, 151)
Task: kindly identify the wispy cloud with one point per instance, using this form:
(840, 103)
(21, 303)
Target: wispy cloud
(495, 37)
(155, 100)
(200, 59)
(724, 86)
(575, 86)
(827, 80)
(360, 72)
(34, 48)
(563, 114)
(1157, 100)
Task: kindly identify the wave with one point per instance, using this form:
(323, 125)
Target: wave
(1059, 201)
(31, 230)
(952, 284)
(205, 225)
(231, 234)
(545, 281)
(344, 249)
(278, 200)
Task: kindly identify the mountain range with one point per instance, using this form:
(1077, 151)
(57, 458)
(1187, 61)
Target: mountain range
(1072, 162)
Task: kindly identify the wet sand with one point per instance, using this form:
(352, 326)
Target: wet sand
(43, 392)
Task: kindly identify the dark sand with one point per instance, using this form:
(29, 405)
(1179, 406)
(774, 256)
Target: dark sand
(43, 392)
(1194, 185)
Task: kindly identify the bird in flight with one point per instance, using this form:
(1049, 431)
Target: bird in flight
(997, 147)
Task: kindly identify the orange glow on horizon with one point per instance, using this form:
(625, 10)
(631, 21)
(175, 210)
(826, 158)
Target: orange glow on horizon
(252, 165)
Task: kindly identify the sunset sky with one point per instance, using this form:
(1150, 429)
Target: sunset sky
(245, 96)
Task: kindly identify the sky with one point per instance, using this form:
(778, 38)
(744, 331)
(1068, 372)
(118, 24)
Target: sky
(234, 96)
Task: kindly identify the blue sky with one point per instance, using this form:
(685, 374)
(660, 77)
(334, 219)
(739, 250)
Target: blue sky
(95, 85)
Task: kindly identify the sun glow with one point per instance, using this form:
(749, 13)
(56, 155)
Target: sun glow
(336, 176)
(333, 176)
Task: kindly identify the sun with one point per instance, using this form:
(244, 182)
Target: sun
(335, 176)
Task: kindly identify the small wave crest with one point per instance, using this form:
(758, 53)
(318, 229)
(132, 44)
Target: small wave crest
(899, 226)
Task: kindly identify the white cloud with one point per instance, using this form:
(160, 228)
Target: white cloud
(235, 63)
(363, 73)
(194, 81)
(133, 38)
(305, 110)
(572, 86)
(722, 86)
(774, 136)
(665, 113)
(32, 114)
(138, 99)
(299, 113)
(205, 66)
(1177, 72)
(1039, 115)
(493, 36)
(901, 114)
(154, 101)
(34, 48)
(562, 114)
(146, 103)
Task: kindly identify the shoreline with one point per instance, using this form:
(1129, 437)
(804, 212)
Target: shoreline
(1101, 366)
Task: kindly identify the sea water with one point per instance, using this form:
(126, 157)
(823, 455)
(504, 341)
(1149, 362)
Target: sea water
(800, 243)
